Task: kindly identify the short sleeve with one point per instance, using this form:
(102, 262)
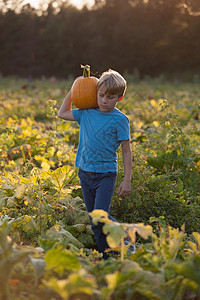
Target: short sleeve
(123, 129)
(77, 113)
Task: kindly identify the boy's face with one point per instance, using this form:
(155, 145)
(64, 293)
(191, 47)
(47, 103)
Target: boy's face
(106, 102)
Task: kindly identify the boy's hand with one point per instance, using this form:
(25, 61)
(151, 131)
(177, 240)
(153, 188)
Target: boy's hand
(124, 188)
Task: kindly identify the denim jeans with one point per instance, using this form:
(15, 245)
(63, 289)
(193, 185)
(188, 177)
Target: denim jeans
(98, 189)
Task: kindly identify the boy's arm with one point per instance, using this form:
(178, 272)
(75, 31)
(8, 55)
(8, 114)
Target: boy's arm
(65, 111)
(125, 186)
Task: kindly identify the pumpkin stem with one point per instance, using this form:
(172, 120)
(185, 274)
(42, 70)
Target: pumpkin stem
(86, 70)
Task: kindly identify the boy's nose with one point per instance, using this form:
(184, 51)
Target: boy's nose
(105, 99)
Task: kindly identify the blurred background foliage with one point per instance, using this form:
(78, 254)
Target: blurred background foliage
(133, 36)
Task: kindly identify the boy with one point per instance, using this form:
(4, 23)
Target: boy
(102, 130)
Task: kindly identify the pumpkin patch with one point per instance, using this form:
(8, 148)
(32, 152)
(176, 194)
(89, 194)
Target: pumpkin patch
(84, 90)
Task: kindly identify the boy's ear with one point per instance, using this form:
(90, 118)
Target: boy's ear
(120, 99)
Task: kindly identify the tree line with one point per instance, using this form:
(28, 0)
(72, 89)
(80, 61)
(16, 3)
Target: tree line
(151, 36)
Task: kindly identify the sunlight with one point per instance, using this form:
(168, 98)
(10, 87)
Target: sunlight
(80, 3)
(77, 3)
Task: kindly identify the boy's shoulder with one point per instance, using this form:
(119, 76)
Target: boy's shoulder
(94, 112)
(115, 113)
(119, 113)
(85, 110)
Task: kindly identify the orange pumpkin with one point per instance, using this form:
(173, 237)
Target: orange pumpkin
(84, 90)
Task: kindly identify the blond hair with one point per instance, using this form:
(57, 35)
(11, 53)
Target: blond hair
(112, 83)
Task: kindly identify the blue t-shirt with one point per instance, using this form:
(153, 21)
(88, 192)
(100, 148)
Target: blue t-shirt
(99, 138)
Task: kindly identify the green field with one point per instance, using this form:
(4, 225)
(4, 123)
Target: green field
(46, 244)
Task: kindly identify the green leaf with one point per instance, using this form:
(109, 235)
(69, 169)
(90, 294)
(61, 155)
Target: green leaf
(60, 260)
(190, 269)
(115, 232)
(20, 191)
(76, 284)
(3, 199)
(25, 223)
(62, 235)
(60, 177)
(9, 256)
(39, 266)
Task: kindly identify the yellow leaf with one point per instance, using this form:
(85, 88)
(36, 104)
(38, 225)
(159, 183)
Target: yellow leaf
(24, 123)
(143, 230)
(136, 134)
(38, 157)
(154, 103)
(26, 133)
(8, 105)
(132, 234)
(59, 153)
(10, 120)
(197, 237)
(156, 123)
(45, 166)
(60, 177)
(167, 123)
(174, 245)
(139, 124)
(112, 280)
(193, 246)
(100, 215)
(111, 242)
(162, 103)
